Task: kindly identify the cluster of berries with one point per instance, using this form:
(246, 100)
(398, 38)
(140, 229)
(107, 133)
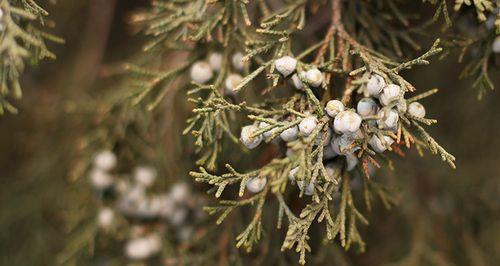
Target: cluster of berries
(128, 204)
(380, 110)
(203, 71)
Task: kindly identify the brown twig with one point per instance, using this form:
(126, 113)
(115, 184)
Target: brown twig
(336, 23)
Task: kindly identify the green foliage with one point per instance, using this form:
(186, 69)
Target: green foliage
(307, 154)
(21, 42)
(479, 66)
(473, 40)
(481, 6)
(348, 42)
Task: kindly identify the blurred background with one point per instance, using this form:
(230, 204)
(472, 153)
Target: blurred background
(452, 215)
